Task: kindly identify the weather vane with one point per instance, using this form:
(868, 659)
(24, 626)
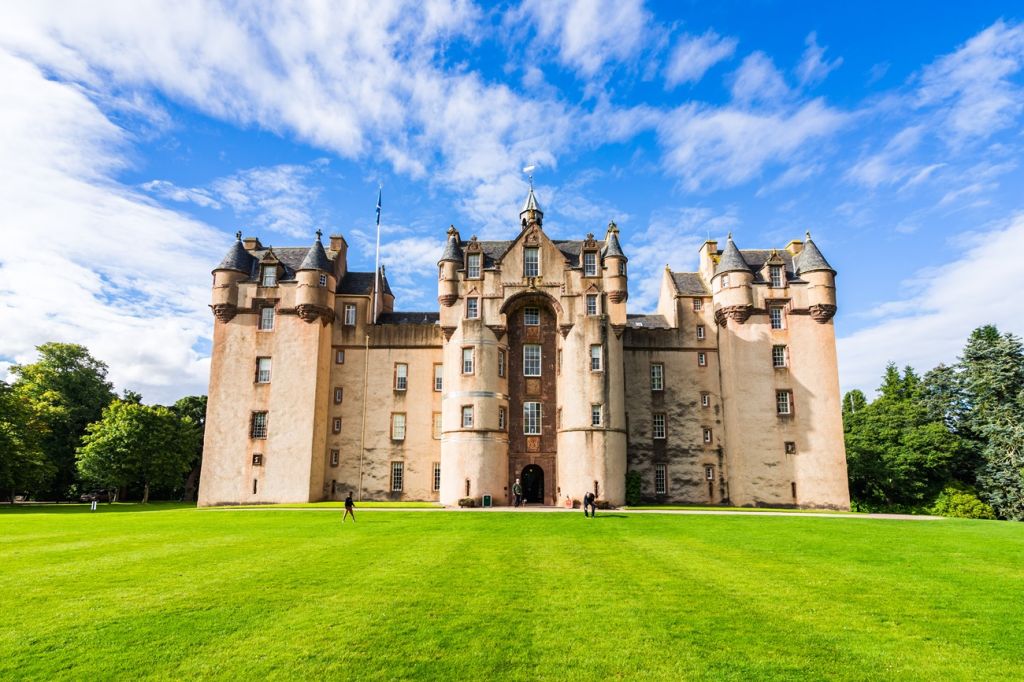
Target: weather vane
(529, 173)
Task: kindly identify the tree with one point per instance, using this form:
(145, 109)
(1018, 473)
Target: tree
(193, 407)
(66, 389)
(136, 444)
(23, 466)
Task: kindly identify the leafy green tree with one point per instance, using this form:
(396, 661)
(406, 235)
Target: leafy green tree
(193, 407)
(853, 402)
(23, 466)
(66, 389)
(136, 444)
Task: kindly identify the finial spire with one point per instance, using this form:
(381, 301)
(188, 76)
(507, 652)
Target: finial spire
(808, 234)
(319, 234)
(238, 236)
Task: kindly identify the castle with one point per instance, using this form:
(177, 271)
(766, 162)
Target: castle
(532, 369)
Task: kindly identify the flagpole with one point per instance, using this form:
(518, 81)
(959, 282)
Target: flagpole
(376, 261)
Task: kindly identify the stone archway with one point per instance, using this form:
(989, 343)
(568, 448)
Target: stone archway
(532, 479)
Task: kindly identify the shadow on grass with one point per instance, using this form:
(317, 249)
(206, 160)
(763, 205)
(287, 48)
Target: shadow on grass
(101, 508)
(611, 516)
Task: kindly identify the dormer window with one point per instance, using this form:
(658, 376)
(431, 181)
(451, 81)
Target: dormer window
(590, 264)
(531, 261)
(775, 275)
(473, 266)
(268, 276)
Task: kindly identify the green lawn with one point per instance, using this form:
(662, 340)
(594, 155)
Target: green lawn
(180, 593)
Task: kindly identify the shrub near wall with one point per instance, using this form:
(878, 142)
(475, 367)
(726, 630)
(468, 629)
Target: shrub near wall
(961, 504)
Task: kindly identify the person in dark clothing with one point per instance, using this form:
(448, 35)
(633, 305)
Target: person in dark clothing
(517, 492)
(349, 509)
(588, 501)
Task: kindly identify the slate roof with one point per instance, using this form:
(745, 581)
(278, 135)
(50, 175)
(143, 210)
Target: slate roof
(316, 259)
(452, 251)
(360, 284)
(755, 259)
(290, 257)
(237, 258)
(810, 259)
(690, 284)
(531, 203)
(409, 318)
(731, 260)
(493, 250)
(647, 322)
(612, 249)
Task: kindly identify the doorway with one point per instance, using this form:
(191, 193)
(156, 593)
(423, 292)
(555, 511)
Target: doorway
(533, 484)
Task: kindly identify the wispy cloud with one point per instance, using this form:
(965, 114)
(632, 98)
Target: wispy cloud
(813, 67)
(693, 55)
(757, 80)
(278, 198)
(168, 190)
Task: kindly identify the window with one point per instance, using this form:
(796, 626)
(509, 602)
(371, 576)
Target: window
(501, 363)
(702, 359)
(775, 273)
(700, 331)
(783, 402)
(531, 419)
(473, 266)
(437, 477)
(339, 357)
(657, 377)
(339, 395)
(698, 304)
(266, 322)
(595, 415)
(531, 261)
(350, 314)
(258, 425)
(255, 484)
(397, 476)
(401, 376)
(709, 472)
(705, 400)
(595, 358)
(778, 356)
(622, 268)
(435, 432)
(257, 459)
(658, 426)
(262, 370)
(268, 276)
(725, 281)
(591, 304)
(398, 426)
(660, 479)
(590, 264)
(467, 416)
(707, 435)
(531, 360)
(323, 280)
(467, 360)
(335, 457)
(336, 425)
(501, 418)
(790, 447)
(558, 418)
(472, 308)
(531, 316)
(438, 377)
(775, 315)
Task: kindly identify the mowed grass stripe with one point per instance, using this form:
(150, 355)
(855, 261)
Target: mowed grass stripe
(186, 593)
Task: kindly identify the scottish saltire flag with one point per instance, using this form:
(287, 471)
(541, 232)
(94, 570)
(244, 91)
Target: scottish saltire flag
(379, 192)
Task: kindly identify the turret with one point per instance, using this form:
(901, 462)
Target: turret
(236, 266)
(315, 284)
(615, 283)
(731, 286)
(821, 280)
(531, 212)
(448, 266)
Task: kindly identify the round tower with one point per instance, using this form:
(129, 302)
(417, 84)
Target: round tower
(315, 284)
(448, 266)
(821, 280)
(237, 266)
(731, 286)
(614, 276)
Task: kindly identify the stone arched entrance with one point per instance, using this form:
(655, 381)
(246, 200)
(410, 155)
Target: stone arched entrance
(532, 479)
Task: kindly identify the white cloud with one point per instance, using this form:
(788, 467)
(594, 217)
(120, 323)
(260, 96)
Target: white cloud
(932, 324)
(88, 260)
(813, 67)
(168, 190)
(278, 198)
(757, 80)
(694, 55)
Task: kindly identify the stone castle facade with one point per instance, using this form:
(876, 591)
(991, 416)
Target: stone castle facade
(532, 369)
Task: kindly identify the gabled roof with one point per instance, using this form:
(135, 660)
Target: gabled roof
(810, 259)
(361, 284)
(690, 284)
(289, 257)
(756, 258)
(316, 258)
(647, 322)
(731, 260)
(237, 258)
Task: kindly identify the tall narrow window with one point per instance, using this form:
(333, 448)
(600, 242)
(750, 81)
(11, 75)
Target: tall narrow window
(622, 268)
(467, 360)
(531, 316)
(775, 273)
(501, 363)
(783, 402)
(339, 394)
(398, 426)
(531, 360)
(778, 356)
(725, 281)
(590, 264)
(473, 266)
(472, 308)
(531, 261)
(336, 425)
(709, 472)
(700, 331)
(436, 426)
(596, 413)
(591, 304)
(775, 315)
(266, 322)
(350, 314)
(595, 358)
(660, 479)
(658, 426)
(339, 357)
(438, 377)
(705, 400)
(702, 359)
(262, 370)
(397, 476)
(335, 457)
(268, 276)
(437, 477)
(531, 419)
(258, 425)
(467, 416)
(501, 418)
(401, 376)
(657, 376)
(707, 435)
(323, 280)
(698, 304)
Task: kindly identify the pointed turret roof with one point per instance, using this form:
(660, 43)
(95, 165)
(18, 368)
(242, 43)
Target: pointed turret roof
(452, 252)
(237, 257)
(531, 203)
(316, 257)
(811, 260)
(731, 260)
(612, 249)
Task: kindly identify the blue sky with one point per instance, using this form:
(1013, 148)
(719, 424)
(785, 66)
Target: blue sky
(135, 138)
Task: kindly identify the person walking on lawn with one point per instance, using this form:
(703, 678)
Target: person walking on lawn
(588, 501)
(517, 492)
(349, 509)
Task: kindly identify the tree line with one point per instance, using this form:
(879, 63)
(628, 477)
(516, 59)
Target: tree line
(950, 442)
(65, 433)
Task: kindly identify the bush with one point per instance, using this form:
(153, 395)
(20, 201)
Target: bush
(633, 488)
(467, 502)
(962, 504)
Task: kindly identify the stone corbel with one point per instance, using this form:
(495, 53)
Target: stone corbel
(564, 329)
(498, 330)
(448, 300)
(822, 312)
(448, 331)
(736, 313)
(224, 311)
(617, 329)
(308, 312)
(617, 296)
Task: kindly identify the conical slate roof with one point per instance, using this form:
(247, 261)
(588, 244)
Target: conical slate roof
(316, 258)
(731, 260)
(452, 251)
(612, 249)
(531, 203)
(237, 258)
(811, 259)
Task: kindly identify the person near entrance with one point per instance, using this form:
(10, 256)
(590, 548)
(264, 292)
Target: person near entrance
(588, 501)
(349, 509)
(517, 492)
